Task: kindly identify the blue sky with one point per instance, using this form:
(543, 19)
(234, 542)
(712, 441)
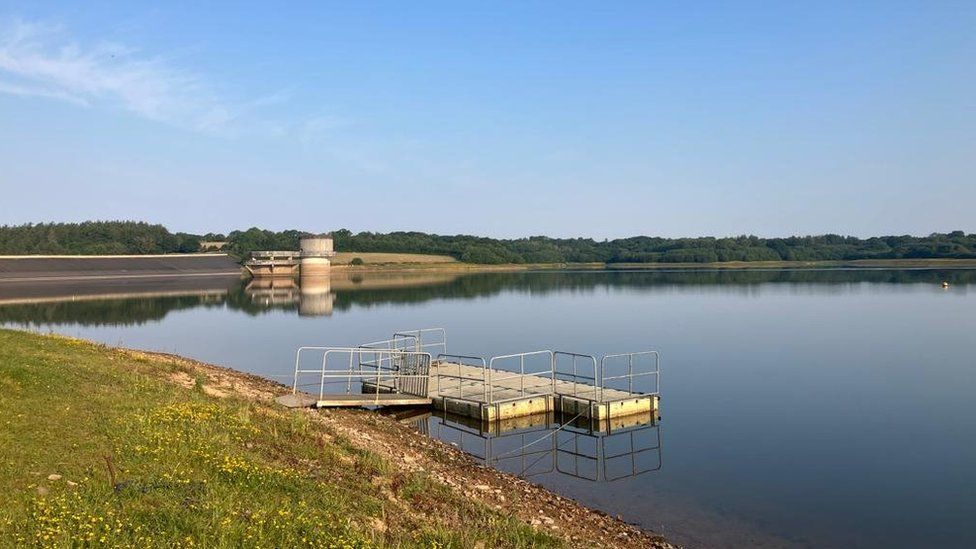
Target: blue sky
(505, 119)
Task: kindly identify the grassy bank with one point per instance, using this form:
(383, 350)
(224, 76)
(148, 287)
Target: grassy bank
(105, 447)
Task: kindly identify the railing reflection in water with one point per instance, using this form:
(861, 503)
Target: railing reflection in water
(547, 443)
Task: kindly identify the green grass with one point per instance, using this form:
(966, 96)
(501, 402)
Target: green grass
(144, 462)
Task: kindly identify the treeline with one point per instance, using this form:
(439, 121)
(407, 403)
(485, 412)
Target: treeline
(242, 243)
(94, 238)
(646, 249)
(128, 237)
(639, 249)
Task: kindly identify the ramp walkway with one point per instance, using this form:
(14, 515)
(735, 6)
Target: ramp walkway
(403, 371)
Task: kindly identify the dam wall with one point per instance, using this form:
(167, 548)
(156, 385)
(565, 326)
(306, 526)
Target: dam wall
(82, 267)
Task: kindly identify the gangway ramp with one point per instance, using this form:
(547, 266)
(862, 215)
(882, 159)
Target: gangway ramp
(351, 401)
(401, 377)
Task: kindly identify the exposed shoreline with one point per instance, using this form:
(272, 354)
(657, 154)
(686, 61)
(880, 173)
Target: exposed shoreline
(406, 450)
(383, 434)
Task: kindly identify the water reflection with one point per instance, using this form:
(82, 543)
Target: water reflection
(126, 302)
(593, 450)
(312, 294)
(110, 302)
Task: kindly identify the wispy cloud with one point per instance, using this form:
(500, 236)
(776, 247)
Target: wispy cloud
(39, 91)
(42, 61)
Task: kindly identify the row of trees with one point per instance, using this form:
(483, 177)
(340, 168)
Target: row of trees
(94, 238)
(129, 237)
(645, 249)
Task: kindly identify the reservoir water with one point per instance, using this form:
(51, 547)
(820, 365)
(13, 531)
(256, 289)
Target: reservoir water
(827, 408)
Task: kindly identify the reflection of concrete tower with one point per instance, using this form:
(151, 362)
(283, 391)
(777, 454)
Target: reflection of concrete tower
(316, 287)
(316, 251)
(316, 296)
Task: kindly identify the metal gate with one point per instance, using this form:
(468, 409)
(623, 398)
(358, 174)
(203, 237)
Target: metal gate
(413, 373)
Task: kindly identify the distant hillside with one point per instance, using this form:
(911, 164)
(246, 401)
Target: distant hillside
(126, 237)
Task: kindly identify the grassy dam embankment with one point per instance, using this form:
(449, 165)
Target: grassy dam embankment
(41, 268)
(108, 447)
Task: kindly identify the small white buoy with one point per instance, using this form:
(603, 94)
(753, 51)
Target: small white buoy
(945, 284)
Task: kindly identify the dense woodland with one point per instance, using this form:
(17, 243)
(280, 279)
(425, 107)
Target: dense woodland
(94, 238)
(128, 237)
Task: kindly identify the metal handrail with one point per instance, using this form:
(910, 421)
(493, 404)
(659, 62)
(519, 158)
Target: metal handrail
(380, 374)
(630, 375)
(576, 375)
(521, 375)
(461, 357)
(460, 362)
(390, 343)
(383, 344)
(419, 336)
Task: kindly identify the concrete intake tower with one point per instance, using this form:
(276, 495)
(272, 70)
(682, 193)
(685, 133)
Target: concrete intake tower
(312, 260)
(315, 253)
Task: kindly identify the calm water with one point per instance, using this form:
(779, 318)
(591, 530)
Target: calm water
(819, 408)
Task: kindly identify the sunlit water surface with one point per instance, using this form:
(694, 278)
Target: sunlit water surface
(818, 408)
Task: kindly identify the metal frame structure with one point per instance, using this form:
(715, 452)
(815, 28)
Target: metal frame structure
(404, 339)
(491, 380)
(575, 377)
(397, 365)
(419, 336)
(390, 344)
(407, 372)
(631, 374)
(443, 359)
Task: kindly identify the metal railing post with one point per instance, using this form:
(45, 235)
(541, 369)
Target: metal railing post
(349, 383)
(522, 378)
(657, 370)
(460, 392)
(491, 384)
(575, 375)
(376, 384)
(325, 358)
(603, 369)
(552, 372)
(298, 356)
(630, 373)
